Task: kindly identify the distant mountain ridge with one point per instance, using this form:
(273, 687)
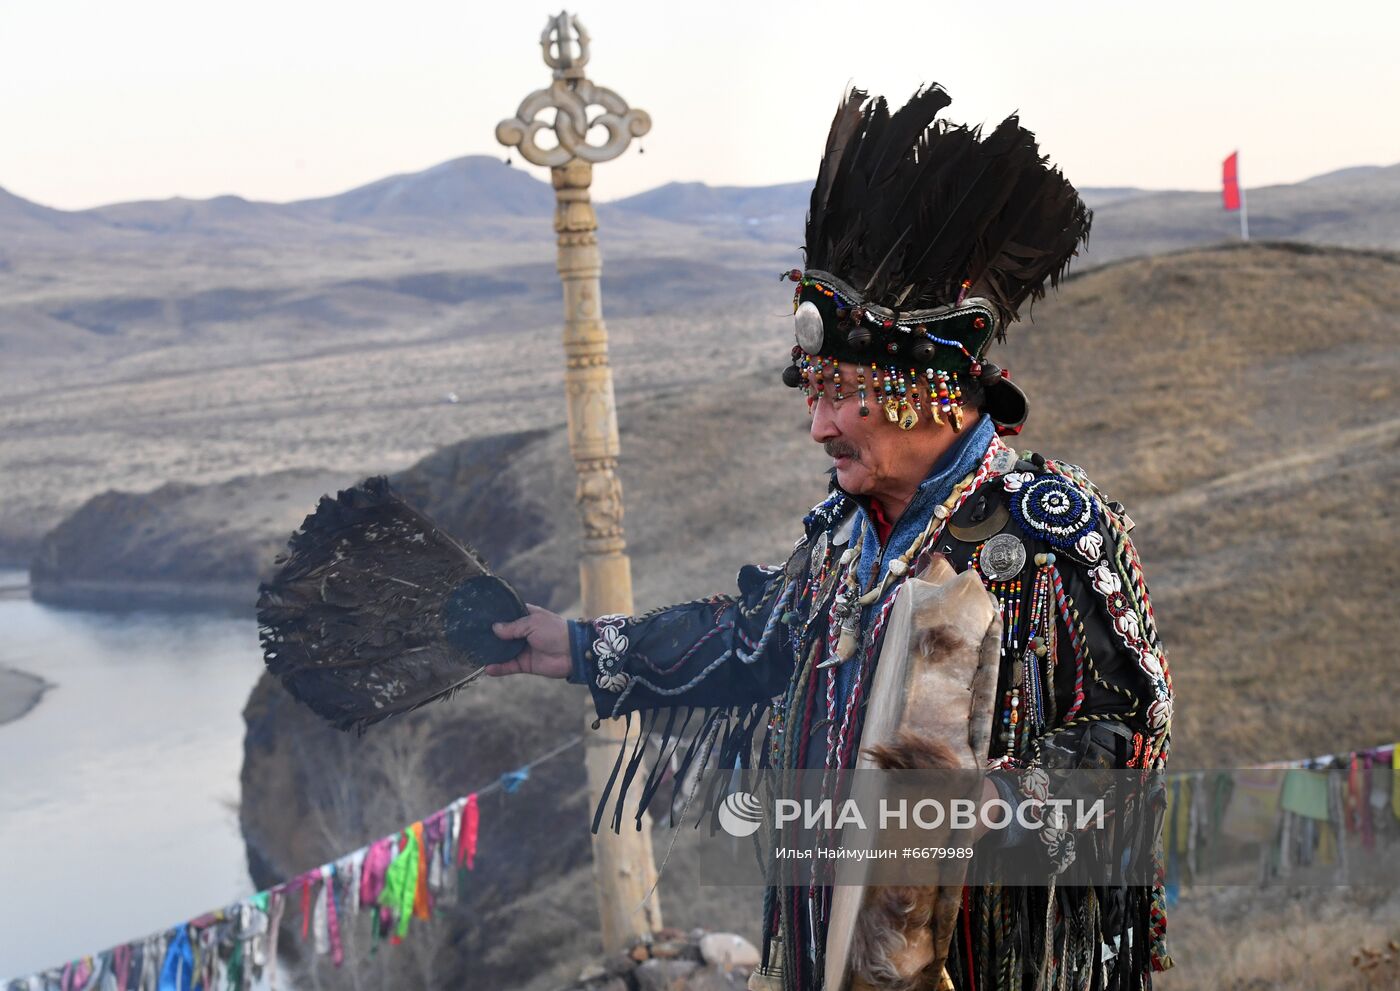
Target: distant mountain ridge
(455, 197)
(468, 243)
(1344, 175)
(698, 202)
(463, 189)
(18, 215)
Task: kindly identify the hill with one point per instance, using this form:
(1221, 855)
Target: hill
(1353, 207)
(454, 192)
(1187, 385)
(777, 212)
(24, 224)
(1184, 421)
(1356, 207)
(230, 218)
(166, 287)
(145, 315)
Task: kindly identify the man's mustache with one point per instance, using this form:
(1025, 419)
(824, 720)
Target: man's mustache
(836, 449)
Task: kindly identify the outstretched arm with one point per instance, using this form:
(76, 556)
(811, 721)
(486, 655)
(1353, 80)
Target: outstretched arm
(721, 651)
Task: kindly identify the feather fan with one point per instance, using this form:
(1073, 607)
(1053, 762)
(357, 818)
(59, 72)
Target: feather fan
(374, 610)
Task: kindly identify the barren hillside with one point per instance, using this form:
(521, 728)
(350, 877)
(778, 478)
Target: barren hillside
(1201, 389)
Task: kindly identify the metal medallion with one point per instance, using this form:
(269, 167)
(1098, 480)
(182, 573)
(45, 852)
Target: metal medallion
(973, 532)
(807, 322)
(842, 535)
(797, 561)
(1002, 557)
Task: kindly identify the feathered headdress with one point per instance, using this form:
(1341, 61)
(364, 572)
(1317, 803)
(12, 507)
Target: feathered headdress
(924, 238)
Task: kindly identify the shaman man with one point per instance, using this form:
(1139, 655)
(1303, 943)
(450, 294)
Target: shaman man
(923, 241)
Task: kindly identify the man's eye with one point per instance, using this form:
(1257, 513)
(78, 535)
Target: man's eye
(830, 397)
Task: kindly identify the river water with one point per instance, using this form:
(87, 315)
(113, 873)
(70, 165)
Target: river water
(119, 791)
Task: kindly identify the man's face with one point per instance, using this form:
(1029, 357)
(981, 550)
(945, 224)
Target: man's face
(871, 454)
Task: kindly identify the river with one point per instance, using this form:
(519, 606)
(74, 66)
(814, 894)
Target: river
(119, 791)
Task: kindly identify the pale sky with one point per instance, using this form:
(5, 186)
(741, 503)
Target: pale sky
(110, 100)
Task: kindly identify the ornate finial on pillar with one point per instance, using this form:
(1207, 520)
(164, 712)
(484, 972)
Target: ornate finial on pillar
(565, 45)
(558, 38)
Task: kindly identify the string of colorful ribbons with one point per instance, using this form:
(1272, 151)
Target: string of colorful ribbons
(393, 881)
(1299, 810)
(1299, 814)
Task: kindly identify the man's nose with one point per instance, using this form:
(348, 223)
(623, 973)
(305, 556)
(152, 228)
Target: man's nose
(824, 422)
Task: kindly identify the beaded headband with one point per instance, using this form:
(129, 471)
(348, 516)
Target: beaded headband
(831, 319)
(914, 357)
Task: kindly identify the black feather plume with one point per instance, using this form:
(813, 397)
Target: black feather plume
(906, 207)
(374, 610)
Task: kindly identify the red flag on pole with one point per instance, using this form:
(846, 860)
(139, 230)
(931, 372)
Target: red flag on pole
(1231, 189)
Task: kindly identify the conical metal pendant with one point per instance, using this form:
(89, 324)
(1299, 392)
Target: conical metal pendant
(846, 645)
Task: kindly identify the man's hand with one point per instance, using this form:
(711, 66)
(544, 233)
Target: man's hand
(547, 645)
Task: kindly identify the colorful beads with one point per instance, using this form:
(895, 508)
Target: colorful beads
(895, 390)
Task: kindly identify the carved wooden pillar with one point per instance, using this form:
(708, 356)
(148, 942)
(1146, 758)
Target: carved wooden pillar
(606, 573)
(624, 867)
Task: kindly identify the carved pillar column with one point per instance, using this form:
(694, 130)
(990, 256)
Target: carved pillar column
(606, 573)
(625, 864)
(624, 867)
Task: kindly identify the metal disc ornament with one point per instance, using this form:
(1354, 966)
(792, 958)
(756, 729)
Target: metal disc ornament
(1002, 557)
(971, 533)
(807, 322)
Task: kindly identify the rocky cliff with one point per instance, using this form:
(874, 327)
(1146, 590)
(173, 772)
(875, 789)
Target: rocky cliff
(527, 919)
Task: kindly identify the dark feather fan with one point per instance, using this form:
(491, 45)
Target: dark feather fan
(374, 610)
(906, 207)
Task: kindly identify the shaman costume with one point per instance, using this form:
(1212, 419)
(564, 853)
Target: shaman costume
(923, 241)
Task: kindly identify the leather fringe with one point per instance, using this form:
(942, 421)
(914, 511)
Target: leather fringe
(723, 739)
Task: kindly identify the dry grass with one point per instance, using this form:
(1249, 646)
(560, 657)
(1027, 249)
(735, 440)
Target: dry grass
(1239, 402)
(1244, 411)
(1286, 940)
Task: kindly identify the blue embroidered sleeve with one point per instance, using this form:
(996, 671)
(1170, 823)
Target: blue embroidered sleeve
(724, 651)
(580, 638)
